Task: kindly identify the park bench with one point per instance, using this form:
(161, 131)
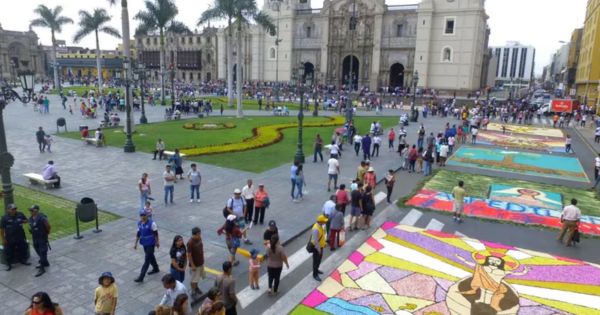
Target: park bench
(94, 141)
(169, 154)
(39, 179)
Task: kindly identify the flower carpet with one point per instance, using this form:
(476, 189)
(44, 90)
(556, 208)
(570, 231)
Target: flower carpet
(406, 270)
(543, 165)
(521, 141)
(528, 130)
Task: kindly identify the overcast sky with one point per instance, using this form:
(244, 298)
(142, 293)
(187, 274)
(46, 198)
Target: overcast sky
(540, 23)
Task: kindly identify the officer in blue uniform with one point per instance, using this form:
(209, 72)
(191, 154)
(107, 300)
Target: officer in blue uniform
(40, 229)
(147, 236)
(13, 237)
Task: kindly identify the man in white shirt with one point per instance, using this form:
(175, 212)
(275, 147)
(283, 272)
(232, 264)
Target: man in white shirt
(570, 218)
(334, 150)
(49, 172)
(474, 132)
(328, 210)
(376, 145)
(333, 169)
(597, 167)
(248, 192)
(195, 181)
(168, 181)
(443, 153)
(597, 135)
(357, 140)
(174, 288)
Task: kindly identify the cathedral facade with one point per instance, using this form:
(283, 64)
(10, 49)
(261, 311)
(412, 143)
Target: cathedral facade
(445, 41)
(20, 51)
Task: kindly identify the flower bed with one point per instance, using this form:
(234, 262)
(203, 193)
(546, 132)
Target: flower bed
(209, 126)
(261, 137)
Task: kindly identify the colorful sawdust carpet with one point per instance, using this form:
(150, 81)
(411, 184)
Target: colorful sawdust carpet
(405, 270)
(521, 141)
(544, 165)
(526, 196)
(500, 210)
(530, 130)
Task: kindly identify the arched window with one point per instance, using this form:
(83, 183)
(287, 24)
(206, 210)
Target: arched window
(447, 54)
(272, 53)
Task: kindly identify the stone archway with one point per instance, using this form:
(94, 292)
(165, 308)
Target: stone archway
(309, 69)
(350, 69)
(396, 76)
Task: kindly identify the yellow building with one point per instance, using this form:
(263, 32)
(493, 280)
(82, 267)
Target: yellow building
(588, 68)
(573, 60)
(83, 65)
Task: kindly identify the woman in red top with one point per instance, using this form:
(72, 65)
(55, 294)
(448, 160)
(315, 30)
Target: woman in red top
(391, 138)
(370, 178)
(41, 304)
(261, 202)
(341, 198)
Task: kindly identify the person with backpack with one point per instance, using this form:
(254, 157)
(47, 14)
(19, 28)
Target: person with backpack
(236, 205)
(233, 234)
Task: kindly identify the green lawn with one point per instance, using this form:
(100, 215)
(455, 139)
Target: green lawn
(60, 212)
(478, 186)
(259, 160)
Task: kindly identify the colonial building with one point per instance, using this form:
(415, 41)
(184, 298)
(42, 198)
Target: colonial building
(444, 40)
(193, 56)
(20, 51)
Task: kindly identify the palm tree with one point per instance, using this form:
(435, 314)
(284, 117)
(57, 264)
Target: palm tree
(243, 11)
(160, 15)
(51, 18)
(95, 22)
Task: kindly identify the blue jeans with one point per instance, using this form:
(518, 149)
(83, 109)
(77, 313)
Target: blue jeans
(178, 275)
(427, 169)
(317, 152)
(420, 143)
(169, 193)
(299, 185)
(293, 186)
(143, 199)
(195, 189)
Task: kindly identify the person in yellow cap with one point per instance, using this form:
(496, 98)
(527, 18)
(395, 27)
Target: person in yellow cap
(317, 244)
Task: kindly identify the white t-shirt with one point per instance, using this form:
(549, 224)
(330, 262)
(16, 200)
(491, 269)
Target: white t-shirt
(597, 161)
(474, 131)
(248, 192)
(333, 165)
(444, 150)
(451, 140)
(598, 131)
(334, 149)
(165, 175)
(358, 138)
(377, 140)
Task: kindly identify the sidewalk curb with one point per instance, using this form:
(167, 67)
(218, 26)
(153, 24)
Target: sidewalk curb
(585, 140)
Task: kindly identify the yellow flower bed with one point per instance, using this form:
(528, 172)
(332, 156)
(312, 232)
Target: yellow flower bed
(209, 126)
(262, 137)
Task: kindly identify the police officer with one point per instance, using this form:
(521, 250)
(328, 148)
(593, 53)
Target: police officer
(40, 229)
(147, 236)
(13, 236)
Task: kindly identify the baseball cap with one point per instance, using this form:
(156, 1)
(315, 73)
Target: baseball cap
(322, 219)
(231, 217)
(272, 224)
(143, 212)
(12, 206)
(34, 207)
(237, 191)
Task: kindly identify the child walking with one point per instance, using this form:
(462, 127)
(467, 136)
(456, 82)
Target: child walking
(253, 269)
(106, 294)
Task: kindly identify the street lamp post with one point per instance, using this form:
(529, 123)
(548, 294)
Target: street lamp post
(300, 78)
(142, 76)
(6, 159)
(173, 97)
(129, 146)
(414, 114)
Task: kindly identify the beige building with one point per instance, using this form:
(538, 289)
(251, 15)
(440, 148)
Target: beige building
(444, 40)
(20, 51)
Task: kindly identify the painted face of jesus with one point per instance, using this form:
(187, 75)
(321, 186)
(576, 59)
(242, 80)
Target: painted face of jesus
(495, 262)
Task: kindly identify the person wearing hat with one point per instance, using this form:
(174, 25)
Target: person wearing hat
(40, 229)
(317, 239)
(269, 232)
(105, 295)
(236, 205)
(232, 237)
(147, 236)
(195, 252)
(370, 178)
(13, 236)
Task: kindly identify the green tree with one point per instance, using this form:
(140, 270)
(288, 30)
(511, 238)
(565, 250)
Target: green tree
(160, 15)
(52, 19)
(239, 15)
(95, 23)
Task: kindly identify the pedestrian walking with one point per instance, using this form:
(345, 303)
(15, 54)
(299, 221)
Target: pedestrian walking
(444, 149)
(341, 197)
(428, 159)
(42, 304)
(333, 169)
(40, 230)
(293, 172)
(236, 205)
(316, 244)
(569, 217)
(368, 207)
(147, 236)
(195, 253)
(248, 192)
(300, 183)
(276, 258)
(106, 295)
(366, 147)
(391, 139)
(318, 147)
(370, 178)
(262, 203)
(233, 234)
(458, 193)
(355, 208)
(376, 144)
(269, 232)
(177, 163)
(48, 140)
(168, 184)
(225, 283)
(390, 180)
(336, 225)
(39, 136)
(357, 140)
(174, 288)
(14, 244)
(334, 150)
(178, 258)
(568, 143)
(253, 269)
(474, 132)
(145, 189)
(195, 179)
(159, 149)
